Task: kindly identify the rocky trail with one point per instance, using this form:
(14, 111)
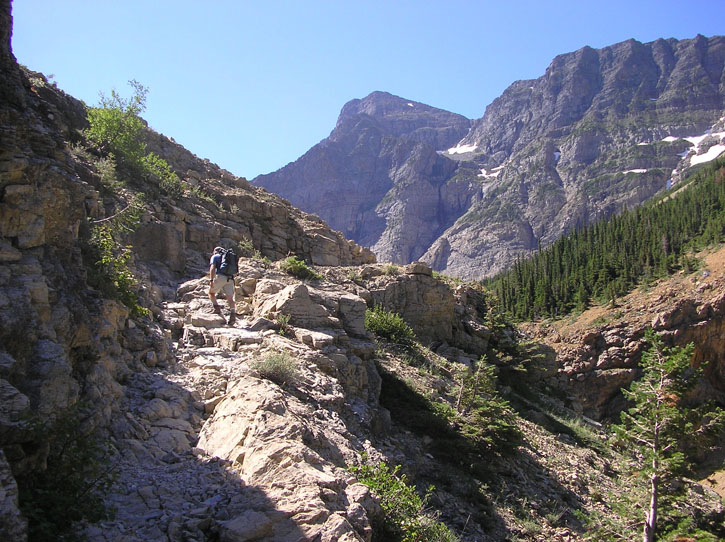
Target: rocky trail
(209, 450)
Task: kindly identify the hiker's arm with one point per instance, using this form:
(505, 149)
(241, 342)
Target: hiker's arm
(212, 271)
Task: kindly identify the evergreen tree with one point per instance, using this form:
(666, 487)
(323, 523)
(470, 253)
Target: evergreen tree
(607, 259)
(652, 429)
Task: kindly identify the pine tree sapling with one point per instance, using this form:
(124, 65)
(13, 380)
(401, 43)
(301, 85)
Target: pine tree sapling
(653, 429)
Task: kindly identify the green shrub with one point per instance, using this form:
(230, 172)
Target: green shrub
(116, 130)
(73, 484)
(388, 325)
(245, 248)
(106, 169)
(169, 181)
(354, 276)
(484, 416)
(115, 126)
(279, 367)
(405, 517)
(202, 195)
(108, 257)
(298, 268)
(283, 323)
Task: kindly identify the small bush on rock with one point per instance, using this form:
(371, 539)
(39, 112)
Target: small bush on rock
(279, 367)
(405, 517)
(72, 486)
(108, 258)
(388, 325)
(298, 268)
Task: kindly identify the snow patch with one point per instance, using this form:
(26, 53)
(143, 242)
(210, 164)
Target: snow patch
(635, 171)
(462, 149)
(492, 173)
(697, 157)
(695, 154)
(410, 104)
(696, 140)
(712, 153)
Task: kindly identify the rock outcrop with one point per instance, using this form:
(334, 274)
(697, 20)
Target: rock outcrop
(593, 357)
(220, 450)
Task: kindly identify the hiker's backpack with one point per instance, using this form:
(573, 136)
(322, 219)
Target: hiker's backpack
(229, 263)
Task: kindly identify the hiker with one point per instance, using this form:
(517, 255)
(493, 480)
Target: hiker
(222, 281)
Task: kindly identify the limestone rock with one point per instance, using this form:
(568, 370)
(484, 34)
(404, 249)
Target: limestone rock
(423, 302)
(13, 526)
(13, 407)
(295, 302)
(593, 362)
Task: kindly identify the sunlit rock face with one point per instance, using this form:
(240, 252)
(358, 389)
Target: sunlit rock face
(601, 130)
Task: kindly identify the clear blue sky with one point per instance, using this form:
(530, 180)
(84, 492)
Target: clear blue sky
(252, 85)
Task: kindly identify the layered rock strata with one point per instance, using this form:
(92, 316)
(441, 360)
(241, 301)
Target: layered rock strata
(601, 130)
(61, 341)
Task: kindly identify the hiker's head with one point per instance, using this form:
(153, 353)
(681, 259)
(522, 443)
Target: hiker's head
(218, 250)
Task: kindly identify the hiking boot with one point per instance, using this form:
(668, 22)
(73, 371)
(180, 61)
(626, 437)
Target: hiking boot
(216, 309)
(232, 319)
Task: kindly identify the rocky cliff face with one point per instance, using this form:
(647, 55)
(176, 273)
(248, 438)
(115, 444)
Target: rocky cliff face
(61, 341)
(378, 177)
(600, 130)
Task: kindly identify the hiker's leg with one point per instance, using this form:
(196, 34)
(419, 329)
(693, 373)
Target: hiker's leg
(230, 302)
(213, 289)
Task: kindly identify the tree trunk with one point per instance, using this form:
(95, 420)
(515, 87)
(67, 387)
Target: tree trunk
(651, 518)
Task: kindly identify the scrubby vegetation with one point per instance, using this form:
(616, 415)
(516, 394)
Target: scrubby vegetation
(108, 257)
(71, 487)
(388, 325)
(298, 268)
(116, 130)
(655, 457)
(279, 367)
(406, 516)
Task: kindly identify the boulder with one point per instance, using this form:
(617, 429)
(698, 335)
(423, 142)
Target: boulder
(425, 303)
(295, 302)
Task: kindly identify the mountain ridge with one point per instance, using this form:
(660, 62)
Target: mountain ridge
(577, 144)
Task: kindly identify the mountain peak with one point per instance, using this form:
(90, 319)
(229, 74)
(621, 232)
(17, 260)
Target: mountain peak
(383, 105)
(377, 104)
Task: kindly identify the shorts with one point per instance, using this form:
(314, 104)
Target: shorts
(222, 284)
